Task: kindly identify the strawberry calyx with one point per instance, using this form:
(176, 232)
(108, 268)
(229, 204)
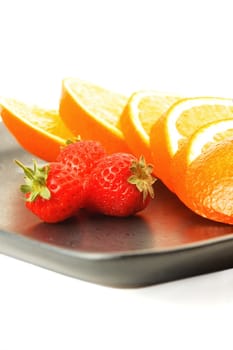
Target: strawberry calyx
(142, 177)
(35, 181)
(73, 140)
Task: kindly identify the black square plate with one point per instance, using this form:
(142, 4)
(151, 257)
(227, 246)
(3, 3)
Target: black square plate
(162, 243)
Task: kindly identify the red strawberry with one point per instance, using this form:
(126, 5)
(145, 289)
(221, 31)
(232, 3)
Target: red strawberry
(52, 192)
(81, 156)
(120, 185)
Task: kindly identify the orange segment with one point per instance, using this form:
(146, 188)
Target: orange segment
(180, 121)
(204, 138)
(93, 112)
(40, 132)
(141, 112)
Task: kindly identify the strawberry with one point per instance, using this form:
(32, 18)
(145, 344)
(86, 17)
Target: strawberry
(52, 192)
(81, 156)
(120, 185)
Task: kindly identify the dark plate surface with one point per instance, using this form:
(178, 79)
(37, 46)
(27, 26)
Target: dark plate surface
(164, 242)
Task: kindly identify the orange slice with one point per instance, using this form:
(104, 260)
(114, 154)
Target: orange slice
(39, 131)
(93, 112)
(180, 121)
(203, 139)
(141, 112)
(208, 185)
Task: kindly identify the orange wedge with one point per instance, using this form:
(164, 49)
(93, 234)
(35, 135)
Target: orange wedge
(40, 132)
(93, 112)
(180, 121)
(141, 112)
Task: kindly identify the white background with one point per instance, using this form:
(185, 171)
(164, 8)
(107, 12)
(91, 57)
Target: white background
(178, 46)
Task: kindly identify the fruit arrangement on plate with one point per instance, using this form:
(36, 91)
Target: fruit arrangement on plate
(104, 151)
